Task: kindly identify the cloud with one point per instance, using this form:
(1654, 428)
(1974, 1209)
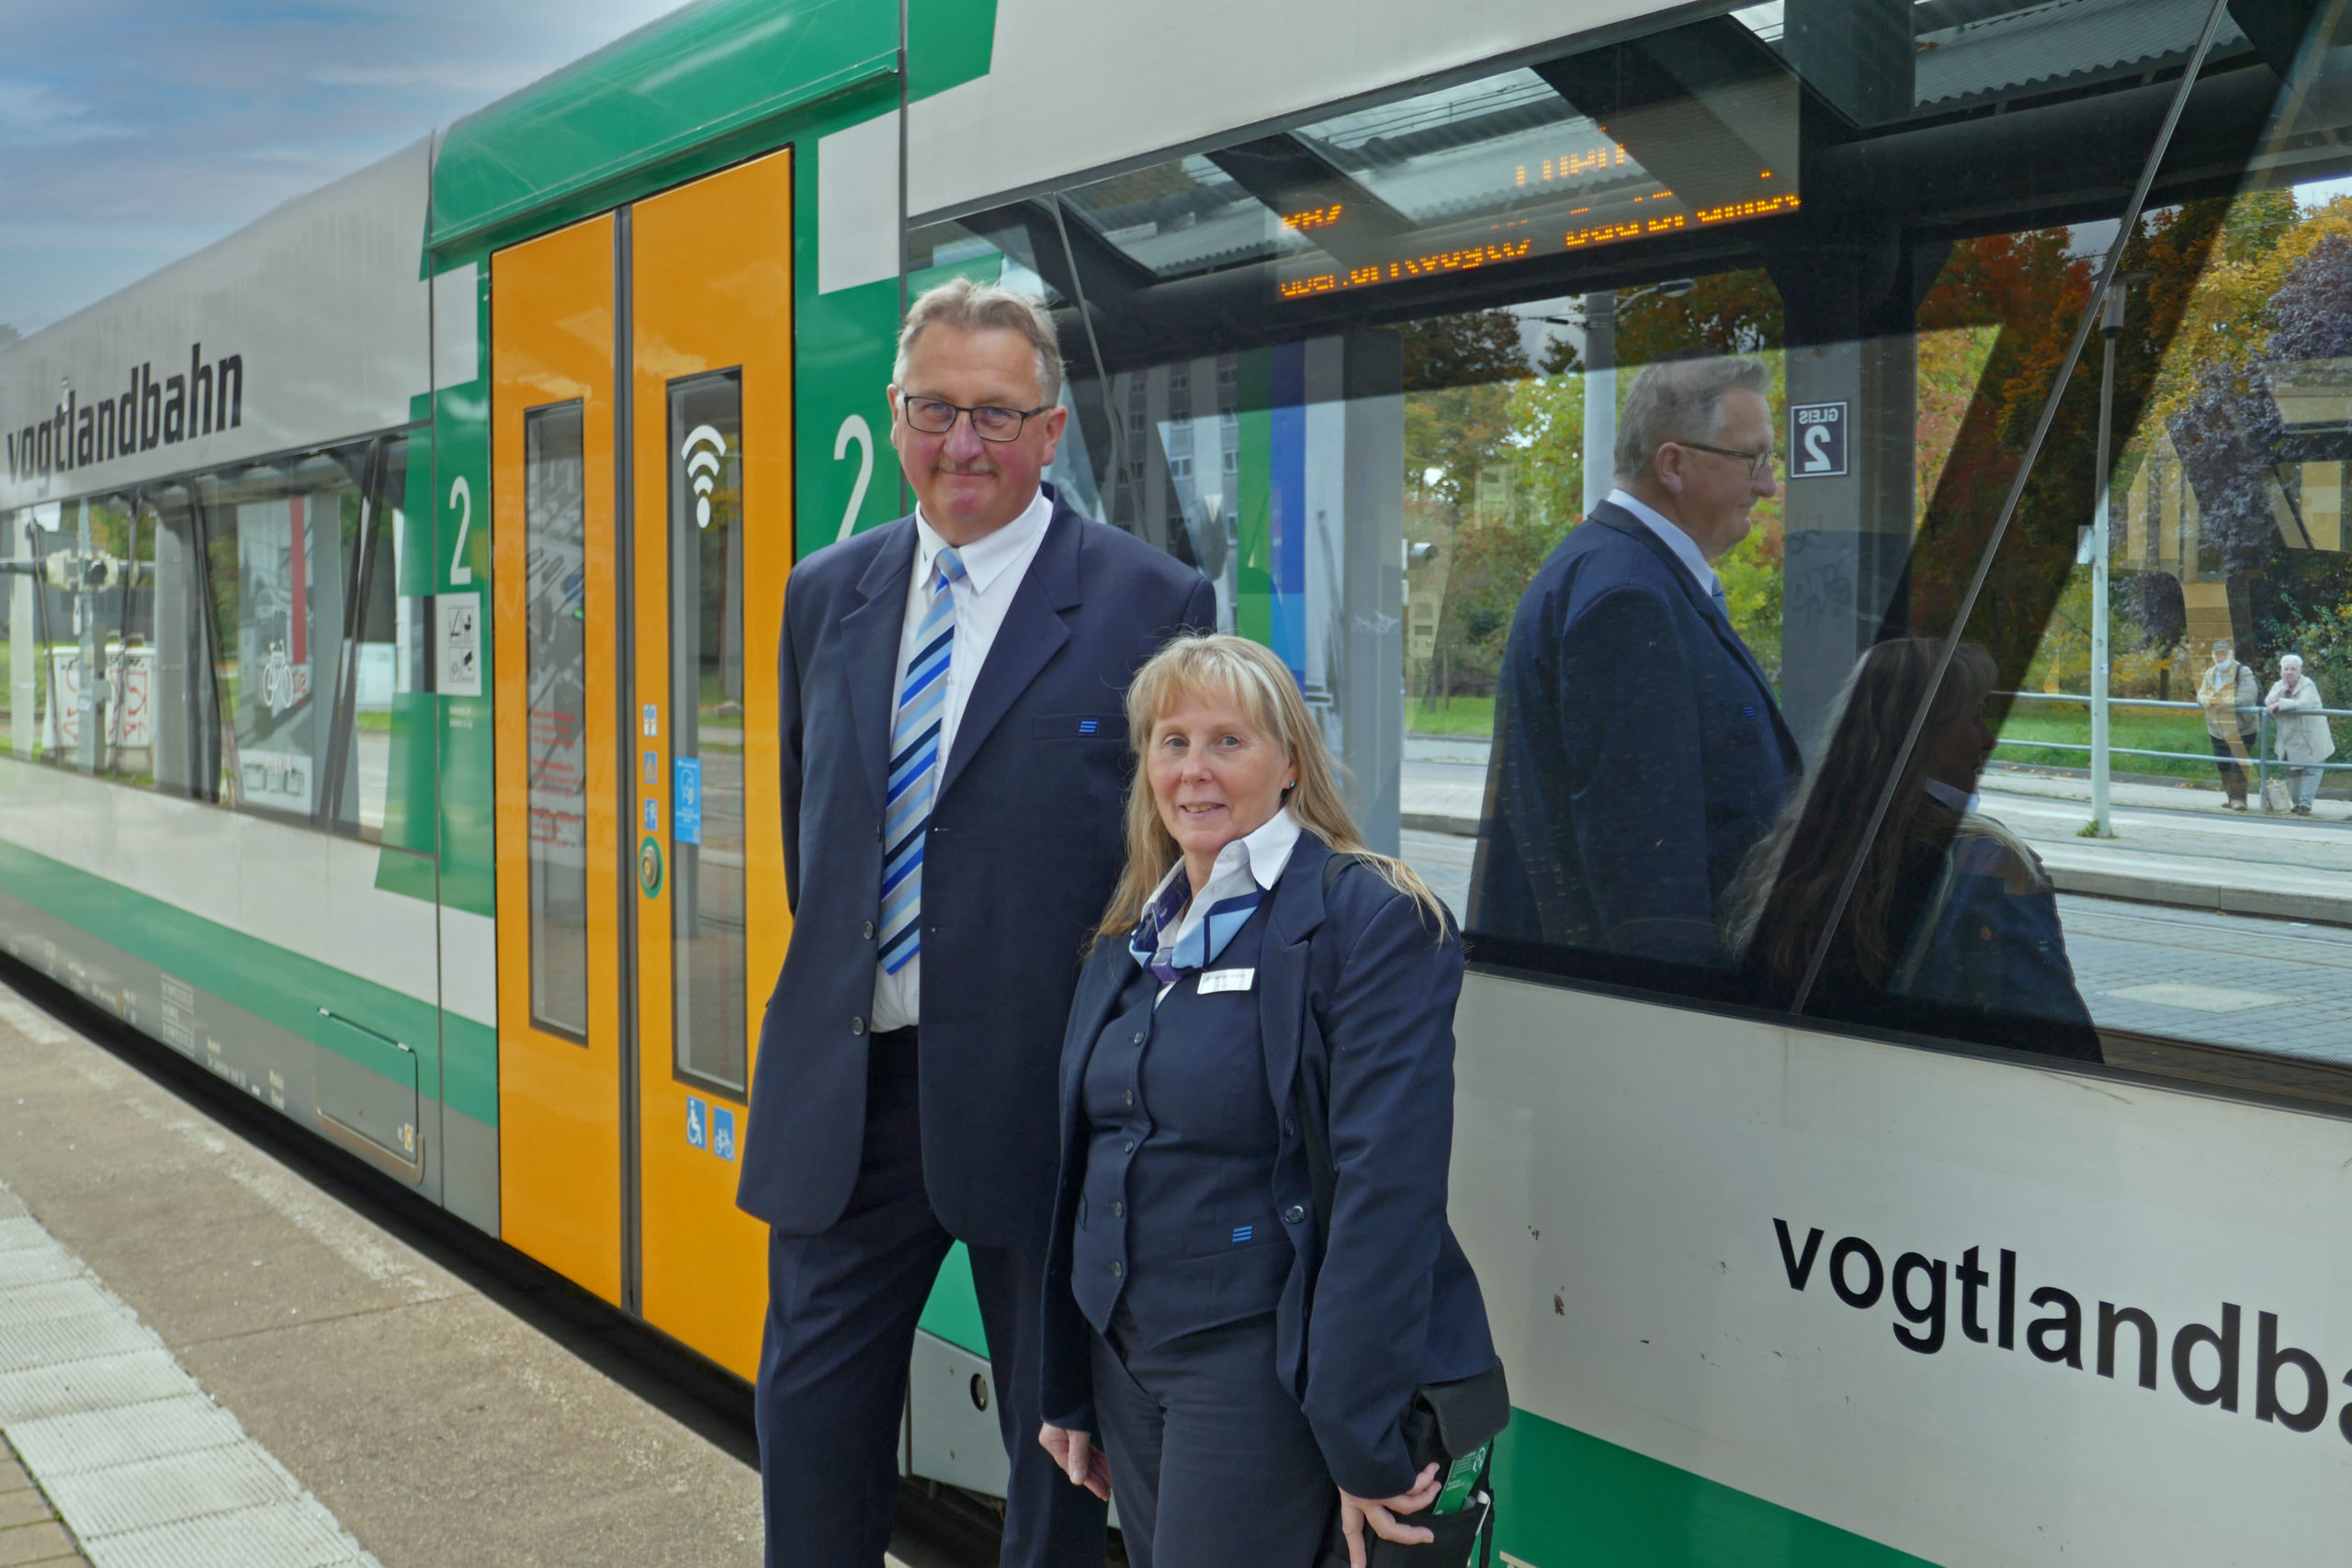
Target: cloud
(133, 132)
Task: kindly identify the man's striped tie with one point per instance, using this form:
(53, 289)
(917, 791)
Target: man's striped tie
(914, 767)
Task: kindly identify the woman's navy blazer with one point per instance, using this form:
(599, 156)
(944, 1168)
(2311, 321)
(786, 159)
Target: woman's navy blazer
(1356, 991)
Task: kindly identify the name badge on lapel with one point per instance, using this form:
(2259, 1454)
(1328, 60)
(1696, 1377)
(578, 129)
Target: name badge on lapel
(1215, 980)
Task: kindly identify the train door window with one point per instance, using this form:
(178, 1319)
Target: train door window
(706, 904)
(556, 676)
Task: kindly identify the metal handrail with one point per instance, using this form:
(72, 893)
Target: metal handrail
(2260, 758)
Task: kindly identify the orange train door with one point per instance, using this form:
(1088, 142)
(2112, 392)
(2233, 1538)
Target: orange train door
(641, 427)
(556, 663)
(710, 332)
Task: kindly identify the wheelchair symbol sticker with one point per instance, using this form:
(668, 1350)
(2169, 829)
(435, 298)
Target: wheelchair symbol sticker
(698, 1123)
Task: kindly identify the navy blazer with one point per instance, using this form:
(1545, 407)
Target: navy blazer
(1639, 754)
(1026, 839)
(1356, 992)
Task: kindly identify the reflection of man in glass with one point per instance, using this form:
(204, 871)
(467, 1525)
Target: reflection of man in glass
(1639, 751)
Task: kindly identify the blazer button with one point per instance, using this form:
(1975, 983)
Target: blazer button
(1294, 1214)
(1139, 1036)
(857, 1026)
(869, 931)
(1127, 1147)
(1118, 1270)
(1118, 1210)
(1131, 1097)
(1289, 1126)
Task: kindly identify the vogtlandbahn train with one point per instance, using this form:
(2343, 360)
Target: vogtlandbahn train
(394, 586)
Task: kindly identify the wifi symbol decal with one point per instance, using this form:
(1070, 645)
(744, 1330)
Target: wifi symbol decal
(702, 452)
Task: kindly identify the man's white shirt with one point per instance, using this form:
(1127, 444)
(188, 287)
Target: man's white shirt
(1685, 548)
(994, 566)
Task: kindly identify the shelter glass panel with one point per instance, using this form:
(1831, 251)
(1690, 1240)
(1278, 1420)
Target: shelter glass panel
(1634, 455)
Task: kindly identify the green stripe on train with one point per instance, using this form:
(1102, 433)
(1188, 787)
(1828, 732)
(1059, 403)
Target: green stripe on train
(284, 987)
(1569, 1500)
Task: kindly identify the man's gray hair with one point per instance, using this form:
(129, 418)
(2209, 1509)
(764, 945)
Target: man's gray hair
(2294, 658)
(963, 305)
(1681, 399)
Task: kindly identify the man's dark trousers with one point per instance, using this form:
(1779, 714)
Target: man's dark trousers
(862, 1167)
(841, 1311)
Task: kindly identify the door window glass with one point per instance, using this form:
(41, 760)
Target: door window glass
(556, 675)
(707, 674)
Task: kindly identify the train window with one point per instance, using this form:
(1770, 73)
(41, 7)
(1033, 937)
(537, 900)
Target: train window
(1630, 450)
(707, 903)
(555, 662)
(299, 555)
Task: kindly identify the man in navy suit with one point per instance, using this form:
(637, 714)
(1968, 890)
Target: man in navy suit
(955, 774)
(1639, 750)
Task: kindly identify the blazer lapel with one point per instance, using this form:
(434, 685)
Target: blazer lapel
(1282, 963)
(1034, 631)
(1715, 619)
(869, 646)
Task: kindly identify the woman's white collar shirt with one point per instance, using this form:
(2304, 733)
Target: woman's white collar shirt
(1265, 851)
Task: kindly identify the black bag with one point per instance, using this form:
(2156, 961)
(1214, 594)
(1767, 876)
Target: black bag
(1445, 1421)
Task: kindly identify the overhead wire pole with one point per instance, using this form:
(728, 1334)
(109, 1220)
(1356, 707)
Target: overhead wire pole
(2112, 327)
(2108, 270)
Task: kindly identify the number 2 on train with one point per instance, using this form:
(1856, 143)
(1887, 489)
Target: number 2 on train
(461, 496)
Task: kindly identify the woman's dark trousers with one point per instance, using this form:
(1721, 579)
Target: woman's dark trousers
(1212, 1462)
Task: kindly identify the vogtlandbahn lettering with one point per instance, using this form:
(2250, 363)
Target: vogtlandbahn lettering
(2291, 1387)
(210, 397)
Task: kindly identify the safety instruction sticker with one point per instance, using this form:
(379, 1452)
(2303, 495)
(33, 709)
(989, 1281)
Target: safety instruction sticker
(685, 800)
(457, 628)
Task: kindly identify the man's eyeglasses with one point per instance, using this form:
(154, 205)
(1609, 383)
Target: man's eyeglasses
(937, 416)
(1758, 462)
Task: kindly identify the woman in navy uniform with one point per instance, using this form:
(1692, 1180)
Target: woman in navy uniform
(1244, 1372)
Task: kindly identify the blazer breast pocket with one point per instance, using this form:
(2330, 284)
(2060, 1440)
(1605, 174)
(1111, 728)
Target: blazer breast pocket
(1080, 726)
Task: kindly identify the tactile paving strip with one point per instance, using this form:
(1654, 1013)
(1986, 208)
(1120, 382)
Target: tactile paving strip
(144, 1469)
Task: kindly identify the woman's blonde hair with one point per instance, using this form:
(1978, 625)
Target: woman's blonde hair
(1261, 685)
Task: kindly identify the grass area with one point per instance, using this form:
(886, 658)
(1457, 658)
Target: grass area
(2158, 729)
(1457, 715)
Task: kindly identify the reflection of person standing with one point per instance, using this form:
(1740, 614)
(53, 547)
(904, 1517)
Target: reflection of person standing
(1638, 749)
(2303, 738)
(2229, 693)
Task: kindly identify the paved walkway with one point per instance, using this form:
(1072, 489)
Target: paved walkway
(2172, 845)
(208, 1356)
(2193, 923)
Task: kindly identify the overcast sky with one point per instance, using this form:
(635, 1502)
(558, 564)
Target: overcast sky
(134, 132)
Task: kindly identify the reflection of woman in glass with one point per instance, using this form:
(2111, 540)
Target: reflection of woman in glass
(1954, 924)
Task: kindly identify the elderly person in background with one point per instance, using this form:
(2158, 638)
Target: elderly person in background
(2303, 738)
(2229, 695)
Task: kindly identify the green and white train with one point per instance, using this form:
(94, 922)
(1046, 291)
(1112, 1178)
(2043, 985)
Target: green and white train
(390, 707)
